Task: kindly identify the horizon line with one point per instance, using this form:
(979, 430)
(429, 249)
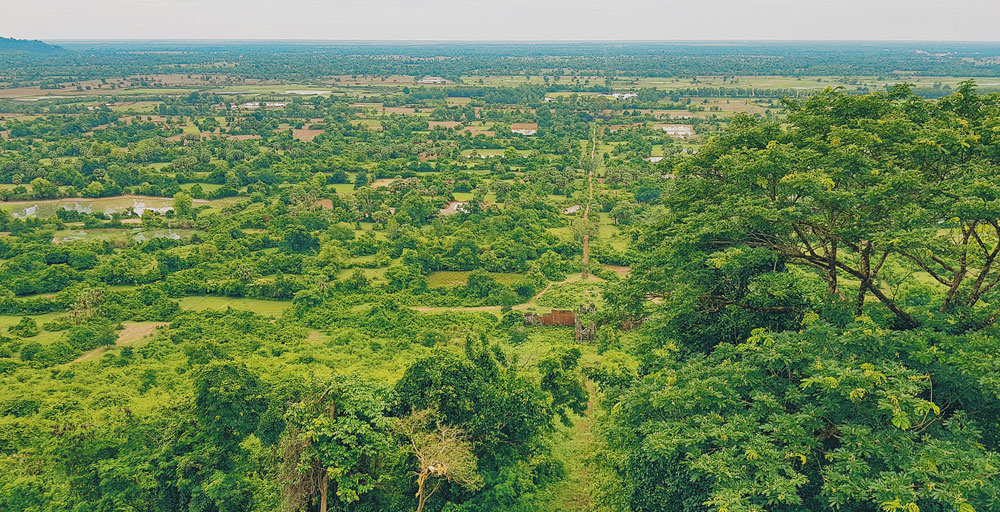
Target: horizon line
(522, 41)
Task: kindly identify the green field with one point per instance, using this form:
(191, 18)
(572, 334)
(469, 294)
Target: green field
(262, 307)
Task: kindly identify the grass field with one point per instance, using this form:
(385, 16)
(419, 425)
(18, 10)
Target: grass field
(572, 294)
(376, 275)
(43, 337)
(261, 307)
(446, 278)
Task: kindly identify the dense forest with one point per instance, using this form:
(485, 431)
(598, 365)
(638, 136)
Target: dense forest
(239, 277)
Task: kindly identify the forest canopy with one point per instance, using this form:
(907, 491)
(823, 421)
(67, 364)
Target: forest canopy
(824, 333)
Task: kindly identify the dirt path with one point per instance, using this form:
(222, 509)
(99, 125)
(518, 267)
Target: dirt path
(539, 295)
(133, 332)
(574, 446)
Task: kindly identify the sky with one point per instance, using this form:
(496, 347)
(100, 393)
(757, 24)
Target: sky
(506, 20)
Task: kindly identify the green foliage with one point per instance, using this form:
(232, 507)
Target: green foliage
(228, 401)
(93, 334)
(336, 441)
(814, 320)
(503, 413)
(814, 420)
(27, 327)
(808, 323)
(562, 380)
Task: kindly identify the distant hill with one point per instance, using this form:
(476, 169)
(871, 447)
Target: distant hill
(8, 44)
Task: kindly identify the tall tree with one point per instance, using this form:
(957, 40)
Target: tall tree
(335, 442)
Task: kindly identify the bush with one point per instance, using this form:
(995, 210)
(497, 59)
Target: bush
(82, 260)
(60, 324)
(429, 338)
(30, 351)
(26, 328)
(91, 335)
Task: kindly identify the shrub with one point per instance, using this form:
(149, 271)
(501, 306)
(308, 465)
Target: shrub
(26, 328)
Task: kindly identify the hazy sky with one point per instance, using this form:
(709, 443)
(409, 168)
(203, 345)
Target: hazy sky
(502, 19)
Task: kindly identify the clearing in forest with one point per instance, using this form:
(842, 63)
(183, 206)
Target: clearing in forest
(133, 332)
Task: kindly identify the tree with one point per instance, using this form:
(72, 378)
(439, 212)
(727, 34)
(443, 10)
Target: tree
(818, 420)
(42, 188)
(647, 194)
(582, 228)
(360, 180)
(297, 239)
(552, 266)
(228, 401)
(99, 333)
(623, 212)
(792, 354)
(339, 176)
(562, 380)
(405, 277)
(93, 189)
(87, 300)
(183, 205)
(335, 440)
(856, 186)
(416, 207)
(504, 415)
(82, 260)
(590, 164)
(481, 284)
(368, 201)
(443, 453)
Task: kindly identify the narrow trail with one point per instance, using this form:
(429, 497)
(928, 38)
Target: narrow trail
(576, 445)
